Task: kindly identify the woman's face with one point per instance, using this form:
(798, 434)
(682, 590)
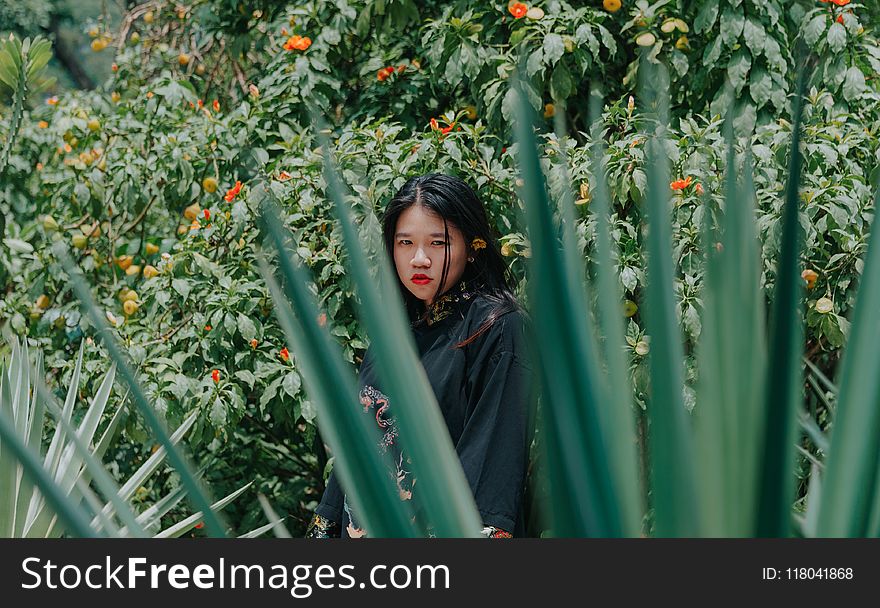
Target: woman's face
(419, 251)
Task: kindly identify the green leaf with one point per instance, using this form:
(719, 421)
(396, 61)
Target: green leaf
(706, 16)
(814, 28)
(836, 37)
(561, 84)
(554, 48)
(731, 24)
(853, 83)
(738, 69)
(754, 35)
(246, 327)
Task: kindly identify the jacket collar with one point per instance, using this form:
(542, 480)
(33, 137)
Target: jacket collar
(456, 298)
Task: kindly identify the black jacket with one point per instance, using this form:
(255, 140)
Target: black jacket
(484, 391)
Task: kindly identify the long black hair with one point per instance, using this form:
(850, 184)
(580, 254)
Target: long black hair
(455, 203)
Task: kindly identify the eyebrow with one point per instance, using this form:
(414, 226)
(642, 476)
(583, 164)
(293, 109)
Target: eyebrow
(434, 234)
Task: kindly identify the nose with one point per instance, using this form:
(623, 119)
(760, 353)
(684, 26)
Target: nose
(420, 259)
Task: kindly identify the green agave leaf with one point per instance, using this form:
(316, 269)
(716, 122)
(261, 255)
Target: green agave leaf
(79, 440)
(731, 359)
(331, 386)
(272, 516)
(583, 493)
(620, 424)
(444, 493)
(73, 518)
(783, 390)
(850, 486)
(196, 492)
(670, 439)
(184, 526)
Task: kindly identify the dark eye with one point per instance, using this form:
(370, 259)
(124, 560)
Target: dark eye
(404, 242)
(440, 243)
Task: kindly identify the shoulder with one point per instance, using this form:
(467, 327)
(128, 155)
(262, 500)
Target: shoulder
(508, 332)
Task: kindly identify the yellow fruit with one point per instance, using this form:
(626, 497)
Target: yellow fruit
(130, 296)
(42, 302)
(682, 26)
(98, 45)
(646, 39)
(642, 348)
(535, 13)
(36, 313)
(181, 13)
(151, 249)
(93, 230)
(135, 38)
(124, 261)
(549, 110)
(133, 270)
(824, 305)
(209, 184)
(94, 124)
(150, 271)
(94, 31)
(49, 223)
(471, 112)
(668, 26)
(181, 229)
(200, 69)
(183, 59)
(79, 241)
(612, 6)
(148, 17)
(506, 250)
(115, 97)
(568, 43)
(130, 307)
(192, 212)
(123, 293)
(682, 43)
(629, 308)
(102, 165)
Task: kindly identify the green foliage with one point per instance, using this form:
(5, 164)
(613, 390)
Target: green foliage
(131, 168)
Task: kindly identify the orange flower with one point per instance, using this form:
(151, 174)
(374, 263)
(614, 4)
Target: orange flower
(207, 214)
(446, 130)
(322, 319)
(254, 343)
(434, 125)
(233, 192)
(840, 18)
(381, 75)
(297, 43)
(699, 188)
(283, 176)
(216, 105)
(114, 67)
(840, 2)
(518, 10)
(291, 43)
(207, 328)
(52, 101)
(284, 354)
(401, 68)
(215, 376)
(201, 104)
(681, 184)
(200, 525)
(43, 124)
(39, 166)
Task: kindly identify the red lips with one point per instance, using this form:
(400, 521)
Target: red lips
(420, 279)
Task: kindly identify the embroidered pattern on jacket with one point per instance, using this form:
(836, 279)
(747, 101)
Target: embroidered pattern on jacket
(446, 304)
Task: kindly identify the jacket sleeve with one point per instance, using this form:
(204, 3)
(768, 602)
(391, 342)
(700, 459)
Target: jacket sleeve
(327, 518)
(493, 447)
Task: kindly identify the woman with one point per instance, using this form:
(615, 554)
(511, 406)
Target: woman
(470, 335)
